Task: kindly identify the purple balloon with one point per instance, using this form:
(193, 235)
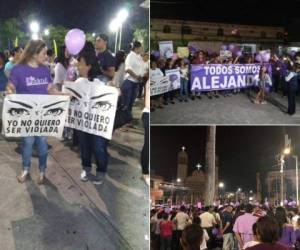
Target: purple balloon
(75, 40)
(185, 60)
(173, 77)
(258, 58)
(266, 57)
(231, 47)
(239, 53)
(192, 50)
(155, 53)
(224, 47)
(292, 53)
(209, 51)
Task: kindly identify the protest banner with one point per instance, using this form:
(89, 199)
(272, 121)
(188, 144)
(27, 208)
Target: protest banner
(182, 52)
(221, 77)
(225, 54)
(34, 115)
(166, 49)
(174, 78)
(92, 107)
(159, 85)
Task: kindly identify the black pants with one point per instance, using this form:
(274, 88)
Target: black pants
(292, 90)
(145, 150)
(178, 237)
(209, 243)
(276, 82)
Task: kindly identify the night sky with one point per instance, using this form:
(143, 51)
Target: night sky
(89, 15)
(264, 12)
(242, 151)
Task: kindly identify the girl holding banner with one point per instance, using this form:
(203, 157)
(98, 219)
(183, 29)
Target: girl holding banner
(31, 76)
(263, 80)
(88, 67)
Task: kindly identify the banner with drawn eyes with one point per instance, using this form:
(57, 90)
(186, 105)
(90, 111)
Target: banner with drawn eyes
(34, 115)
(92, 107)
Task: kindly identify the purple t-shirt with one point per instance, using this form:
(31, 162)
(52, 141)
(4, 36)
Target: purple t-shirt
(29, 80)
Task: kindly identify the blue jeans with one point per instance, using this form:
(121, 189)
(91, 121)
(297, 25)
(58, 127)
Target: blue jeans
(93, 144)
(27, 144)
(183, 88)
(129, 92)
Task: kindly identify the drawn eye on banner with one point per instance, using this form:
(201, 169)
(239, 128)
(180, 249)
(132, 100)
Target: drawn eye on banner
(159, 85)
(34, 115)
(92, 107)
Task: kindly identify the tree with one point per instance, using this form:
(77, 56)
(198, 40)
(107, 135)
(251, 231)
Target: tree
(56, 33)
(211, 164)
(9, 30)
(141, 34)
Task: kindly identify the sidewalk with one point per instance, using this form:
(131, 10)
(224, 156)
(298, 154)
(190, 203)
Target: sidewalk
(236, 109)
(67, 214)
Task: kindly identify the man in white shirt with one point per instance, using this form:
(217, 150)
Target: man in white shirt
(134, 70)
(181, 221)
(208, 221)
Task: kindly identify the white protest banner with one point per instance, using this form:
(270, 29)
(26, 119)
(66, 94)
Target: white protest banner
(224, 54)
(166, 49)
(174, 77)
(92, 107)
(34, 115)
(159, 85)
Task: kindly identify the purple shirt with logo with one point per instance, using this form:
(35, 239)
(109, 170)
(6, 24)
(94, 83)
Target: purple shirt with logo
(29, 80)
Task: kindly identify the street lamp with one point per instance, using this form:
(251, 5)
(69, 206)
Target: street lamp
(122, 16)
(221, 185)
(35, 36)
(114, 27)
(34, 27)
(46, 32)
(178, 180)
(287, 151)
(94, 34)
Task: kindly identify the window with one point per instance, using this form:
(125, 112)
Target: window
(186, 30)
(220, 32)
(167, 29)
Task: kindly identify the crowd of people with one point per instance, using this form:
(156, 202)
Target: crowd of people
(36, 70)
(281, 76)
(227, 227)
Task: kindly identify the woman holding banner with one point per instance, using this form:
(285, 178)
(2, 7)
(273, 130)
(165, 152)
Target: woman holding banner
(88, 67)
(263, 80)
(31, 76)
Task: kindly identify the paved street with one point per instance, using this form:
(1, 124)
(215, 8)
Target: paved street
(67, 214)
(236, 109)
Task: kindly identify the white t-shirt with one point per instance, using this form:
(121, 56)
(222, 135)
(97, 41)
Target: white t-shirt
(119, 75)
(205, 239)
(207, 220)
(155, 73)
(135, 63)
(60, 73)
(182, 220)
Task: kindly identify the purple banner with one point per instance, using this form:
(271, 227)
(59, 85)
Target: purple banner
(209, 77)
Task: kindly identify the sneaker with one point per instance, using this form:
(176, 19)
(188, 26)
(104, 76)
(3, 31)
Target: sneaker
(83, 176)
(41, 179)
(185, 100)
(263, 102)
(99, 178)
(199, 97)
(23, 176)
(172, 102)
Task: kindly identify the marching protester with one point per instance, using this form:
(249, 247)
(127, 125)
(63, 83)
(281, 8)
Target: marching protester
(105, 58)
(91, 144)
(119, 69)
(61, 67)
(192, 237)
(155, 72)
(15, 54)
(263, 80)
(134, 75)
(31, 76)
(3, 78)
(292, 84)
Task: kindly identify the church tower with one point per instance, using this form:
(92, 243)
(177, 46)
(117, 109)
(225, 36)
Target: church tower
(182, 164)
